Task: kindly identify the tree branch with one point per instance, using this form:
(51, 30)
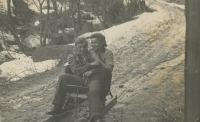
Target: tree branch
(36, 4)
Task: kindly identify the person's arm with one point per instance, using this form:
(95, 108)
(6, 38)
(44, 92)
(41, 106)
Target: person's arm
(76, 68)
(93, 71)
(109, 62)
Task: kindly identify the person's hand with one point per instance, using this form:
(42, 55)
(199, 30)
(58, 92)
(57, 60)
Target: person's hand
(90, 48)
(87, 74)
(95, 63)
(94, 55)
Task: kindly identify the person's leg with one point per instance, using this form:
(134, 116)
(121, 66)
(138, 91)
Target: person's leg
(68, 70)
(94, 99)
(61, 90)
(106, 78)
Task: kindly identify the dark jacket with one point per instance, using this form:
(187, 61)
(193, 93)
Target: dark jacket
(80, 64)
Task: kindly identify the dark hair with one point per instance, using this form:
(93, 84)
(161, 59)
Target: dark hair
(80, 40)
(99, 37)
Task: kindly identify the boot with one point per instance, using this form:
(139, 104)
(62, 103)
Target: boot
(56, 110)
(103, 104)
(68, 106)
(97, 119)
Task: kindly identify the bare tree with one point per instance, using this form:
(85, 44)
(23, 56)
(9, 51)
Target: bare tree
(72, 12)
(11, 27)
(41, 2)
(104, 12)
(22, 11)
(79, 15)
(55, 7)
(132, 7)
(1, 47)
(46, 23)
(99, 7)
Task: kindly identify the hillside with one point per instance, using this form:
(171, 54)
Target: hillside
(149, 68)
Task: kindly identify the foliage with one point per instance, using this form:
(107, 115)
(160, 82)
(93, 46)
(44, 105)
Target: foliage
(66, 14)
(22, 13)
(112, 12)
(4, 21)
(182, 2)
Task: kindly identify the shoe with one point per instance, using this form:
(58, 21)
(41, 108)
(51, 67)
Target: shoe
(68, 107)
(55, 111)
(103, 104)
(97, 119)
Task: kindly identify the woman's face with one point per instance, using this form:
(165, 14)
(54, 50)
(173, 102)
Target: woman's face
(82, 47)
(96, 45)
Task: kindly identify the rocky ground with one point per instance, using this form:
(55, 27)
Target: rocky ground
(149, 67)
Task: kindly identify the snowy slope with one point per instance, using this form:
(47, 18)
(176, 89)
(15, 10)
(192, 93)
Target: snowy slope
(24, 66)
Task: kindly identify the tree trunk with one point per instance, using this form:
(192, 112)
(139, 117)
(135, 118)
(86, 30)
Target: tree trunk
(102, 21)
(192, 62)
(41, 23)
(46, 23)
(55, 15)
(12, 28)
(144, 6)
(105, 14)
(22, 11)
(79, 15)
(1, 47)
(136, 7)
(73, 20)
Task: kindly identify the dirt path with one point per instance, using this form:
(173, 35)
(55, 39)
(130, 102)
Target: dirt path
(28, 99)
(151, 69)
(149, 65)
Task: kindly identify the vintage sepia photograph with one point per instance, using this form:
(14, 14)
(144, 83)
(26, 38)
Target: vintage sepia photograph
(99, 60)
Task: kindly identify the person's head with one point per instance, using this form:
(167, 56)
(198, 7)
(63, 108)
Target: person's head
(98, 41)
(81, 45)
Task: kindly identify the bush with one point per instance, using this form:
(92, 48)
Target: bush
(52, 52)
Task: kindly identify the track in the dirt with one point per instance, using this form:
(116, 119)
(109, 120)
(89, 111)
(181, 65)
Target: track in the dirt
(67, 114)
(57, 118)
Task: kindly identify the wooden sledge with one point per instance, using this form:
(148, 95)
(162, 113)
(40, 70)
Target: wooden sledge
(57, 118)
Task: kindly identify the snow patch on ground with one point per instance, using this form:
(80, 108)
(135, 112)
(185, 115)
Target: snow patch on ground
(32, 41)
(36, 23)
(24, 66)
(7, 36)
(144, 25)
(12, 54)
(116, 34)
